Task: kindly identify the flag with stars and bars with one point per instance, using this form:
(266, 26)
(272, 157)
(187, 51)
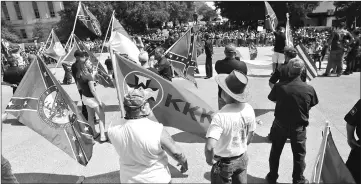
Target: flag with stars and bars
(271, 19)
(55, 50)
(183, 56)
(172, 105)
(89, 20)
(43, 105)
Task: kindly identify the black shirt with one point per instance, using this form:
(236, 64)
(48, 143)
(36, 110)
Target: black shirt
(354, 118)
(226, 66)
(293, 99)
(165, 69)
(281, 74)
(14, 74)
(84, 85)
(108, 63)
(74, 69)
(208, 48)
(280, 42)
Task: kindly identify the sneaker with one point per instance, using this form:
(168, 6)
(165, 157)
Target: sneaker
(304, 181)
(207, 77)
(338, 75)
(345, 73)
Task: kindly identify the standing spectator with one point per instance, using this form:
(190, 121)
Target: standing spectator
(293, 100)
(142, 144)
(109, 65)
(337, 50)
(13, 74)
(280, 43)
(353, 125)
(354, 54)
(20, 60)
(230, 132)
(208, 47)
(226, 66)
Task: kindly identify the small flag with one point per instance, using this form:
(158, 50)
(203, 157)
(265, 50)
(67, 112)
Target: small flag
(172, 105)
(55, 50)
(43, 105)
(120, 42)
(271, 19)
(310, 65)
(183, 56)
(89, 20)
(329, 166)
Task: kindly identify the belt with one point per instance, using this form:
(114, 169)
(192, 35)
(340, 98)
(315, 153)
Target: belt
(228, 158)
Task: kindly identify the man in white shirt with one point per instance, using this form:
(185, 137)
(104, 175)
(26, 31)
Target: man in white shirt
(142, 143)
(230, 132)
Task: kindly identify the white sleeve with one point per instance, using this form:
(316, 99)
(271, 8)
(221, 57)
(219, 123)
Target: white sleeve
(215, 128)
(251, 119)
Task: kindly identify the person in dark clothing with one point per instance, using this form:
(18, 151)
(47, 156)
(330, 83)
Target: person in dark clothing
(226, 66)
(109, 65)
(280, 43)
(281, 73)
(353, 124)
(163, 65)
(354, 54)
(294, 99)
(208, 47)
(67, 75)
(80, 58)
(13, 74)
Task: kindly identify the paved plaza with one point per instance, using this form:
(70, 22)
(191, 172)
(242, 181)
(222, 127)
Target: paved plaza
(35, 160)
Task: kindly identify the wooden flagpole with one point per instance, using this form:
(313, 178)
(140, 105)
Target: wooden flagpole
(105, 38)
(117, 85)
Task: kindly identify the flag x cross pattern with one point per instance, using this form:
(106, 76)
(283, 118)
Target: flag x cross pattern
(86, 19)
(189, 64)
(53, 108)
(271, 18)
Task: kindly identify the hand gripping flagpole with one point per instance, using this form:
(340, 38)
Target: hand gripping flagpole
(105, 38)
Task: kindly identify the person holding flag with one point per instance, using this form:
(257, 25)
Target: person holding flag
(163, 65)
(280, 43)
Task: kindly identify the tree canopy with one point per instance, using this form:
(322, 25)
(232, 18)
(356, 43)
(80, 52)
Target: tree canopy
(249, 12)
(349, 10)
(8, 33)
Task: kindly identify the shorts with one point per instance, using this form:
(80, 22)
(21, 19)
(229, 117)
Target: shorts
(90, 101)
(278, 58)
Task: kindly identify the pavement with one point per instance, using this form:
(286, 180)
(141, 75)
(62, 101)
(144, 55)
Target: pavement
(35, 160)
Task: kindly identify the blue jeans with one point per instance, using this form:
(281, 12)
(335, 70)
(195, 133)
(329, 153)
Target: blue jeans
(7, 175)
(230, 171)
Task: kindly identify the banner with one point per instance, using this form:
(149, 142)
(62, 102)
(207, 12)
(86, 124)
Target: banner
(43, 105)
(271, 19)
(89, 20)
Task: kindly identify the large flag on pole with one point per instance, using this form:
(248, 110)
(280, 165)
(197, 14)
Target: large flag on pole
(122, 43)
(310, 65)
(183, 56)
(102, 74)
(172, 105)
(271, 19)
(43, 105)
(72, 47)
(55, 50)
(289, 38)
(89, 20)
(329, 166)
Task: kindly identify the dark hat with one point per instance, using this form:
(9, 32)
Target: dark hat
(235, 85)
(290, 51)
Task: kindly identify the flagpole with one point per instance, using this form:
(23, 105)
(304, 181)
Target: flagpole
(106, 34)
(316, 178)
(122, 111)
(51, 33)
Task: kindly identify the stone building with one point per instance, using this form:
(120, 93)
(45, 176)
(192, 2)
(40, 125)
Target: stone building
(25, 15)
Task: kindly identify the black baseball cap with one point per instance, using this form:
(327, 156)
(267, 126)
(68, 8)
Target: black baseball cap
(79, 53)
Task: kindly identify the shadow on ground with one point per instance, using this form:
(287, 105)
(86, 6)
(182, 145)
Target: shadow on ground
(186, 137)
(47, 178)
(250, 179)
(13, 122)
(260, 76)
(260, 139)
(111, 108)
(260, 112)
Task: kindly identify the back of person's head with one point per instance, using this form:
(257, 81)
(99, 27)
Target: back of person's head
(295, 67)
(290, 52)
(230, 50)
(78, 53)
(143, 57)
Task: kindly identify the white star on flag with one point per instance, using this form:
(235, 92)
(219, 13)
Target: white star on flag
(74, 139)
(80, 155)
(86, 129)
(142, 79)
(25, 103)
(10, 103)
(45, 74)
